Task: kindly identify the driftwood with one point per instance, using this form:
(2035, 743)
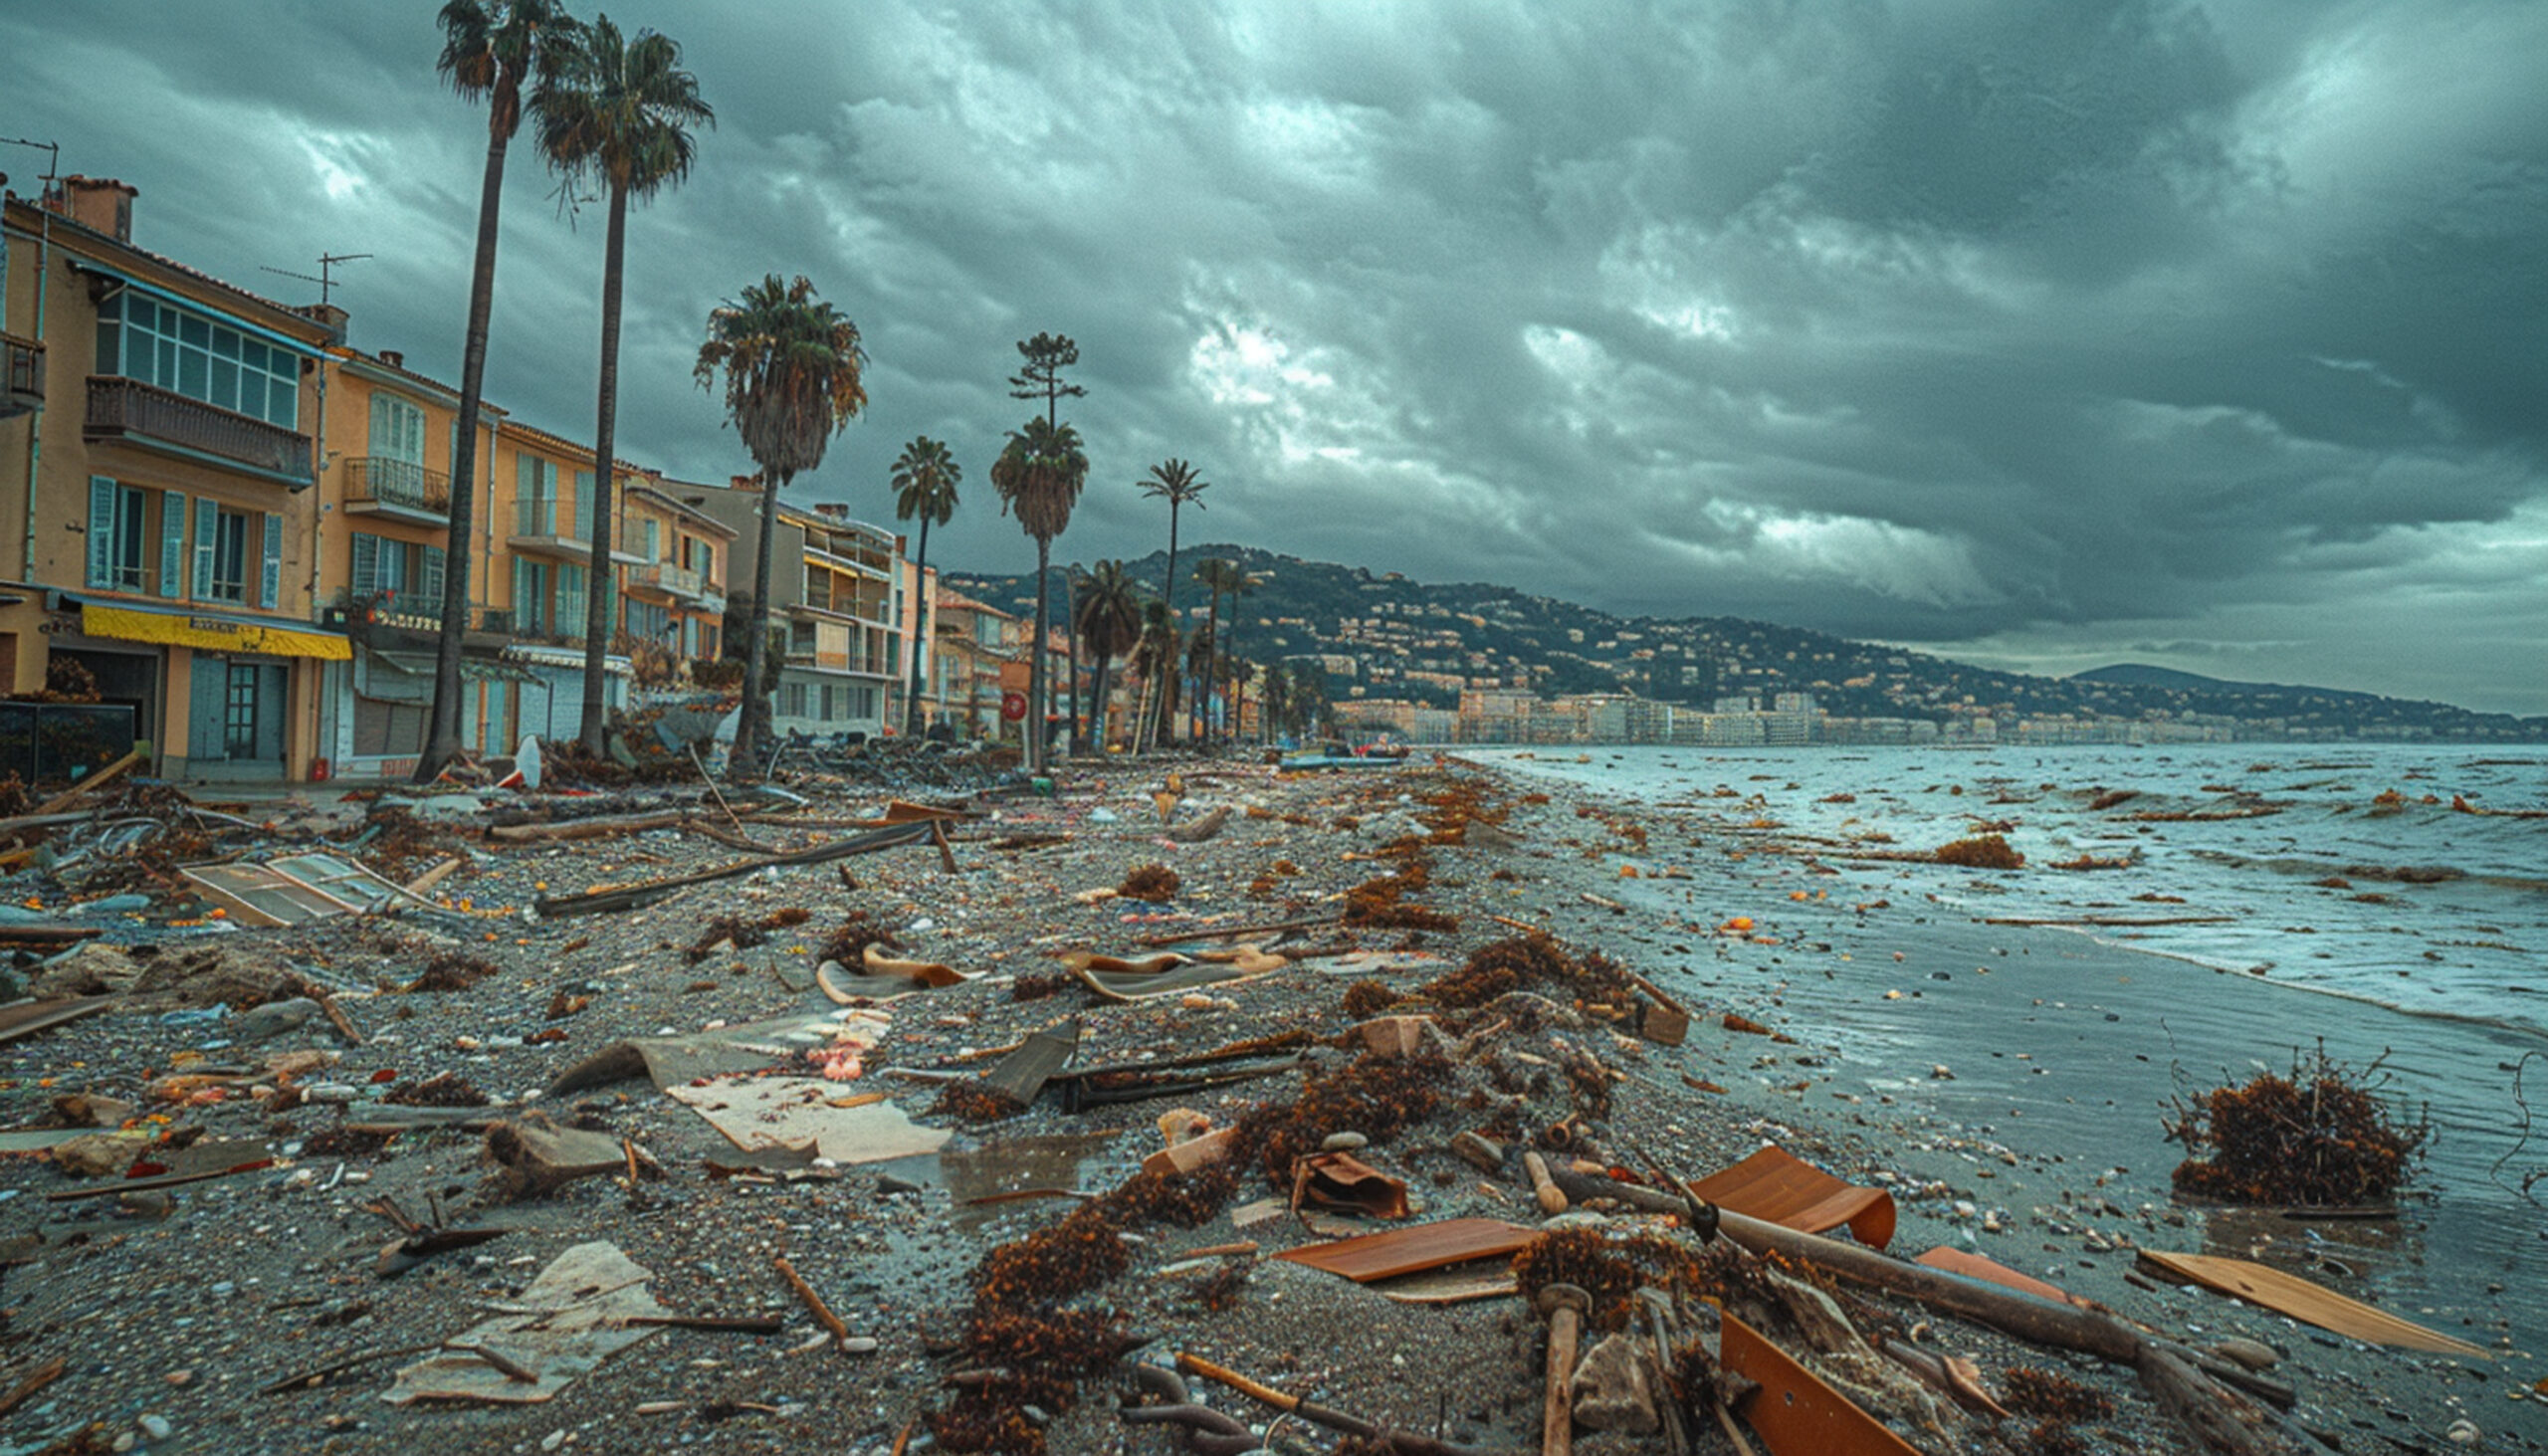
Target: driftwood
(1231, 933)
(822, 1312)
(99, 779)
(631, 896)
(1405, 1443)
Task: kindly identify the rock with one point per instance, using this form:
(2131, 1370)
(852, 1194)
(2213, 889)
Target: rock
(1612, 1389)
(274, 1018)
(156, 1427)
(91, 970)
(1940, 1073)
(102, 1156)
(2254, 1355)
(2465, 1432)
(1344, 1142)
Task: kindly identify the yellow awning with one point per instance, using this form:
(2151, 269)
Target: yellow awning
(216, 634)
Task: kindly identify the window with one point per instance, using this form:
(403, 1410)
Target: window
(397, 430)
(574, 589)
(647, 620)
(187, 354)
(650, 539)
(829, 712)
(537, 503)
(116, 540)
(403, 574)
(792, 700)
(534, 610)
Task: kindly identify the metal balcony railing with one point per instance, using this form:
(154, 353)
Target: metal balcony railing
(379, 481)
(680, 582)
(127, 409)
(21, 375)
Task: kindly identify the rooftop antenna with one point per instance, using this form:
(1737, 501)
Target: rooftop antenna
(326, 272)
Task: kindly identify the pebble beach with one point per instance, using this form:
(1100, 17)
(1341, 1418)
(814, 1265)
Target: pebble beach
(251, 1311)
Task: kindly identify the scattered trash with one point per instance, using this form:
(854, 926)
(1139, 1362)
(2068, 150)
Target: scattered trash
(584, 1307)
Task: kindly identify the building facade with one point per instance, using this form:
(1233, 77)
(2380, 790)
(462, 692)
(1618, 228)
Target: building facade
(160, 478)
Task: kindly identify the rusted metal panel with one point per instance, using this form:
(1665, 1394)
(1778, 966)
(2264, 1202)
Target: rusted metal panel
(1793, 1411)
(1776, 1186)
(1414, 1250)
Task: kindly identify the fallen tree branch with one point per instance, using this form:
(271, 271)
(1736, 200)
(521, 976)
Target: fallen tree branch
(1405, 1443)
(821, 1311)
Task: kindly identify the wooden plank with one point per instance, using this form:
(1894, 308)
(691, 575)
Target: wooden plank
(101, 778)
(1193, 1152)
(1458, 1284)
(1414, 1250)
(26, 1018)
(1776, 1186)
(1022, 1073)
(1796, 1414)
(1991, 1271)
(2311, 1304)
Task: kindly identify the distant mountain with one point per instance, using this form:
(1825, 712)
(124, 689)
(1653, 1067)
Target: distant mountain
(1385, 636)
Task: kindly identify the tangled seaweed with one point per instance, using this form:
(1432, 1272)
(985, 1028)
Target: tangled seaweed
(2052, 1397)
(453, 973)
(1157, 883)
(1533, 963)
(975, 1102)
(2317, 1138)
(848, 944)
(1376, 1096)
(1981, 852)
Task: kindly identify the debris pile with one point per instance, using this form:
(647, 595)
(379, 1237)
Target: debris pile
(2318, 1138)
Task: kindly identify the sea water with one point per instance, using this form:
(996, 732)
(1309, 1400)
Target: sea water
(2389, 903)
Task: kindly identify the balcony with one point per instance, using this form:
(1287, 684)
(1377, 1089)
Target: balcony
(22, 373)
(133, 413)
(684, 584)
(379, 485)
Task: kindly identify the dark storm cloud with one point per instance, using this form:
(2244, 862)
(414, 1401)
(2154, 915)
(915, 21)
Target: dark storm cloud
(2047, 335)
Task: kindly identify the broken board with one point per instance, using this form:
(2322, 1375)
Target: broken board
(1793, 1411)
(1022, 1073)
(1486, 1278)
(2311, 1304)
(1774, 1185)
(579, 1312)
(760, 1112)
(671, 1061)
(26, 1018)
(1414, 1250)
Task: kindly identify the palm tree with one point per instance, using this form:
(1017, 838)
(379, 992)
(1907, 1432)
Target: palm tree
(1241, 582)
(1200, 657)
(1154, 661)
(490, 49)
(1046, 357)
(1108, 615)
(1216, 576)
(1173, 480)
(925, 481)
(1274, 700)
(793, 379)
(618, 112)
(1038, 476)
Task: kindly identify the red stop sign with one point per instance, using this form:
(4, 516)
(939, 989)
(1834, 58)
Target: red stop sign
(1012, 707)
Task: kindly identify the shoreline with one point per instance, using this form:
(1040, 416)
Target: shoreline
(892, 1261)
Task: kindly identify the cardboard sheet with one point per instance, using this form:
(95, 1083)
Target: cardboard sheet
(2312, 1303)
(581, 1308)
(759, 1113)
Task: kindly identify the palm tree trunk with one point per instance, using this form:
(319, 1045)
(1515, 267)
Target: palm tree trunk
(1166, 733)
(741, 767)
(1097, 702)
(1211, 671)
(442, 730)
(1035, 659)
(1070, 634)
(602, 590)
(920, 629)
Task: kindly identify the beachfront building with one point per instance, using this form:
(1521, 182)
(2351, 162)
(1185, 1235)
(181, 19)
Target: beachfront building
(836, 609)
(980, 649)
(385, 551)
(157, 456)
(673, 589)
(537, 578)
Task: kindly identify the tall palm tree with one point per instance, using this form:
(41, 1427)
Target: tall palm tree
(1240, 582)
(619, 114)
(924, 480)
(794, 377)
(490, 49)
(1107, 616)
(1173, 480)
(1155, 662)
(1038, 477)
(1215, 574)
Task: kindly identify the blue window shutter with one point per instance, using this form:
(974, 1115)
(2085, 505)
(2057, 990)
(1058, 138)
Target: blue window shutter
(366, 565)
(101, 530)
(172, 543)
(583, 505)
(207, 525)
(522, 595)
(269, 574)
(431, 587)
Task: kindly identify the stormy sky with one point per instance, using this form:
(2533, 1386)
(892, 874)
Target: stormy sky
(2040, 336)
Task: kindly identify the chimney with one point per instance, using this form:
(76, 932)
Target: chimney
(393, 359)
(328, 317)
(101, 203)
